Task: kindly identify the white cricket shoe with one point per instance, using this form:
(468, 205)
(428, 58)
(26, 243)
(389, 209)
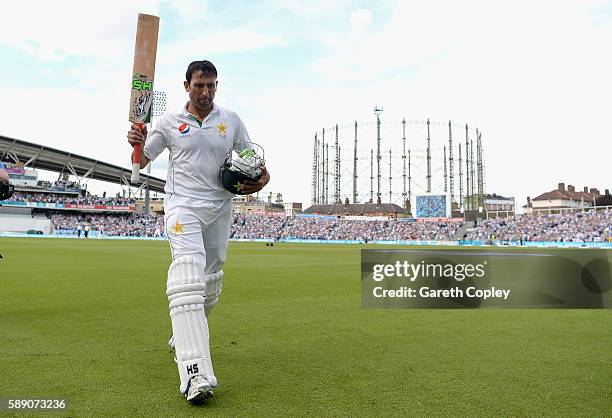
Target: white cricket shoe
(198, 389)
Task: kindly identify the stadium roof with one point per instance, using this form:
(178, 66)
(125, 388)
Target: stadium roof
(46, 158)
(356, 208)
(497, 197)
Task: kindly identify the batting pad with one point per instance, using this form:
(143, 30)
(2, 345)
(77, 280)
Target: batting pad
(185, 291)
(214, 285)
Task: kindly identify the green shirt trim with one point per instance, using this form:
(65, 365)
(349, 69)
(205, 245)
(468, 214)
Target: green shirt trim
(199, 122)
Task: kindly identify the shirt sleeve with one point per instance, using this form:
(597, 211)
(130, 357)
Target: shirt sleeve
(157, 141)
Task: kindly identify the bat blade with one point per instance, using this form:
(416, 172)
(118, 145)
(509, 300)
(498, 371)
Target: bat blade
(143, 74)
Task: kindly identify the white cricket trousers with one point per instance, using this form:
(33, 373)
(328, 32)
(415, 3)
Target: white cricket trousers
(199, 228)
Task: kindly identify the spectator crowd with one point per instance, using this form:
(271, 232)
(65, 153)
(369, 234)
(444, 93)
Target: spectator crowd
(594, 226)
(109, 225)
(71, 199)
(362, 230)
(60, 185)
(574, 227)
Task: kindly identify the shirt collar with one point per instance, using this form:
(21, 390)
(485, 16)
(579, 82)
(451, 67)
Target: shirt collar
(214, 110)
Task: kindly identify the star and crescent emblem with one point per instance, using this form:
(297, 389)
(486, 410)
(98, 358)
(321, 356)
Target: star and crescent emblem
(178, 228)
(238, 186)
(222, 129)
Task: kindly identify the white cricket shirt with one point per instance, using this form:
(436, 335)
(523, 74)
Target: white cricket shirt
(196, 152)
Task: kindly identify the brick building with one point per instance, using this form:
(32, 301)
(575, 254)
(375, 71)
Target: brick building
(564, 199)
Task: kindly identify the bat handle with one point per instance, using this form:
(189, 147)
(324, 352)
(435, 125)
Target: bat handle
(136, 158)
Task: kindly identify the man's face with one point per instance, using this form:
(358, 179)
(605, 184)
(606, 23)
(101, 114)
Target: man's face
(201, 90)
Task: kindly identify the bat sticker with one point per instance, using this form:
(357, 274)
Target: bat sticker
(143, 97)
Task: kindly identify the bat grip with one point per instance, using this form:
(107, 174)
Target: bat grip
(136, 157)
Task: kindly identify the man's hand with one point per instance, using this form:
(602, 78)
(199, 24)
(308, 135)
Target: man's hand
(250, 187)
(137, 136)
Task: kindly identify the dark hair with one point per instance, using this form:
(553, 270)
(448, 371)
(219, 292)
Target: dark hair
(206, 67)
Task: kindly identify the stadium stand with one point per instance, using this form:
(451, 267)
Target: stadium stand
(29, 156)
(594, 226)
(65, 213)
(591, 226)
(111, 225)
(76, 200)
(362, 230)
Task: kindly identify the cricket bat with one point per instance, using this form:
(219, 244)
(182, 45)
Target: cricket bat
(143, 73)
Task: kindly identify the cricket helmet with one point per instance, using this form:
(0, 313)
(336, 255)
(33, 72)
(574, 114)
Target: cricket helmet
(242, 162)
(6, 190)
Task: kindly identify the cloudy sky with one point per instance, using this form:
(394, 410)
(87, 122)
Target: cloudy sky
(533, 76)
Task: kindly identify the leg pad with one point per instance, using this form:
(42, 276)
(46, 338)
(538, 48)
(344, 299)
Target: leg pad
(185, 290)
(214, 286)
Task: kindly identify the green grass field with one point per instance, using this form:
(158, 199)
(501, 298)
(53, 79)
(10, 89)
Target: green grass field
(87, 321)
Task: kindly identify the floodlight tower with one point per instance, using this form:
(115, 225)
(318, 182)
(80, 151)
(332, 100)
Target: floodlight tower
(445, 174)
(404, 161)
(467, 168)
(481, 186)
(371, 175)
(355, 168)
(377, 112)
(315, 170)
(390, 177)
(327, 173)
(409, 183)
(460, 179)
(323, 187)
(339, 163)
(337, 170)
(428, 159)
(450, 161)
(472, 174)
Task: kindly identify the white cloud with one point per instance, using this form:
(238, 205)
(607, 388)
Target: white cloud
(54, 30)
(189, 10)
(218, 42)
(536, 82)
(312, 9)
(361, 20)
(91, 125)
(532, 75)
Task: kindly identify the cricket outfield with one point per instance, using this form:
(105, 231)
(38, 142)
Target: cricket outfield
(87, 321)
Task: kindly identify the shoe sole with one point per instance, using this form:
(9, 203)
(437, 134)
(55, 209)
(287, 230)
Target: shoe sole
(201, 395)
